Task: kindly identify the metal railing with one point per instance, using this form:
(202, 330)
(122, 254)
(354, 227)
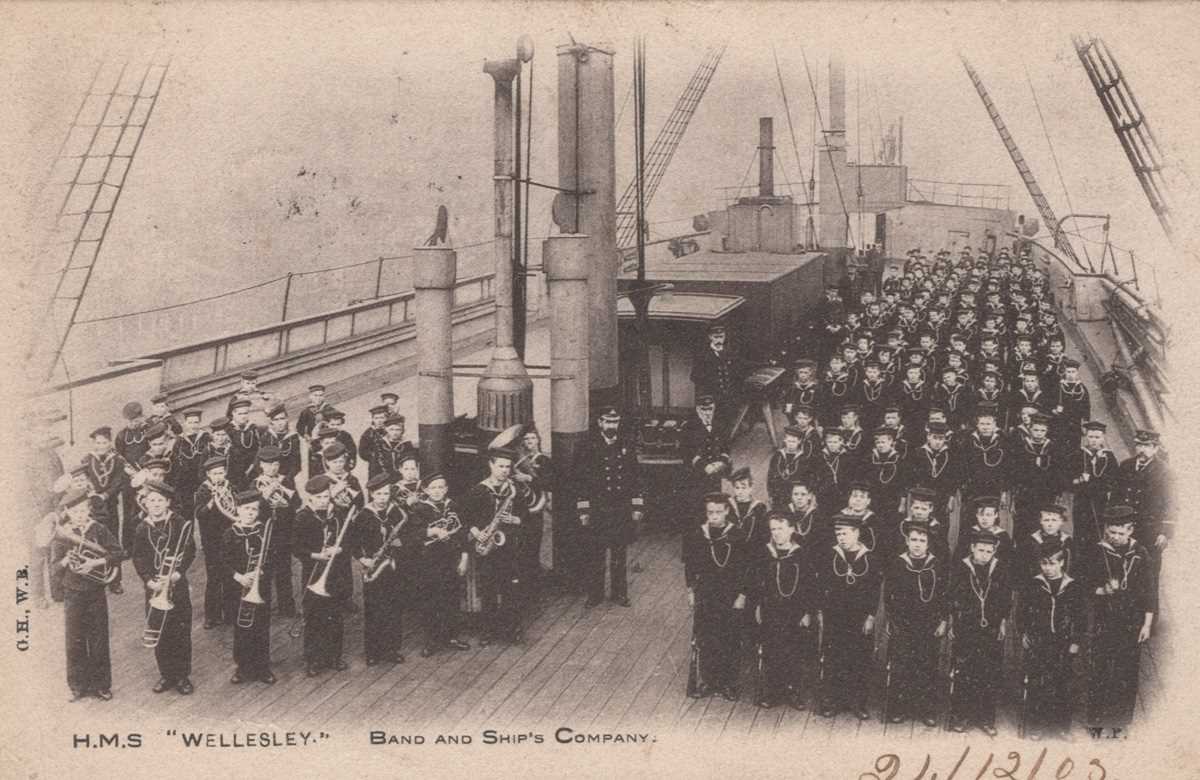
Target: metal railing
(959, 193)
(219, 355)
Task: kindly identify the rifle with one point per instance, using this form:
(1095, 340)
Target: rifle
(1024, 706)
(887, 683)
(953, 674)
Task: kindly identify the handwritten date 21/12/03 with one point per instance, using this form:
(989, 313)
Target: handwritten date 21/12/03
(888, 767)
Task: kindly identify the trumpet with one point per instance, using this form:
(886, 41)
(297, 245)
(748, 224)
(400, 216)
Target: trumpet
(383, 561)
(450, 523)
(343, 495)
(160, 603)
(273, 490)
(317, 583)
(252, 598)
(83, 554)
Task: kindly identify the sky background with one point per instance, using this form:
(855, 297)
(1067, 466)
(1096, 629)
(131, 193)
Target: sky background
(386, 110)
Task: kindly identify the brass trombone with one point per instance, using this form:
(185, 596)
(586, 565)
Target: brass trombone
(317, 581)
(160, 603)
(252, 598)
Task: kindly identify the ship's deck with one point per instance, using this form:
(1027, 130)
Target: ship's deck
(606, 668)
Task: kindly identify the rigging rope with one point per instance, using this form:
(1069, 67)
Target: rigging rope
(828, 151)
(791, 130)
(1053, 155)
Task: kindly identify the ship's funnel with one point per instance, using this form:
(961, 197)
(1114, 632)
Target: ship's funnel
(766, 158)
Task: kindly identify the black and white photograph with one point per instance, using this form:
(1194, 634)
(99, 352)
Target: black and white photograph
(594, 389)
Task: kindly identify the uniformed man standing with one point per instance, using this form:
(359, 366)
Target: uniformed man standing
(1052, 618)
(980, 601)
(1144, 484)
(848, 579)
(163, 550)
(443, 565)
(385, 544)
(1120, 583)
(248, 562)
(77, 578)
(1093, 469)
(216, 510)
(321, 535)
(311, 414)
(713, 570)
(610, 504)
(716, 372)
(915, 586)
(706, 455)
(280, 503)
(498, 504)
(391, 448)
(373, 433)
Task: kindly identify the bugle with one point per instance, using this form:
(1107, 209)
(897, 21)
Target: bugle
(160, 603)
(320, 576)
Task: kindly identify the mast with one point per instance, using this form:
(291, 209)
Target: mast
(1035, 191)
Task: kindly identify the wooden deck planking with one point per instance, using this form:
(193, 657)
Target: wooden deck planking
(653, 593)
(607, 668)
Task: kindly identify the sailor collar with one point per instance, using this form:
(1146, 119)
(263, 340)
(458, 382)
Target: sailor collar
(1066, 580)
(704, 529)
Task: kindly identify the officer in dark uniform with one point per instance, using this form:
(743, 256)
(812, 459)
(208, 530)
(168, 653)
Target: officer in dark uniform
(1144, 484)
(706, 454)
(717, 372)
(610, 504)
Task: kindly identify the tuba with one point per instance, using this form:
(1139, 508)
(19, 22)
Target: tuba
(160, 603)
(527, 464)
(317, 582)
(84, 552)
(252, 598)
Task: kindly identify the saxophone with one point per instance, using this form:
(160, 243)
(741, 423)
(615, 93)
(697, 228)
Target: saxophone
(491, 536)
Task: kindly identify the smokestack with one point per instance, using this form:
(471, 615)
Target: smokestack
(587, 170)
(434, 272)
(566, 260)
(836, 190)
(766, 158)
(505, 392)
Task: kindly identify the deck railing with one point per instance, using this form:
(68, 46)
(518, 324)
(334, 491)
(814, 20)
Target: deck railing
(959, 193)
